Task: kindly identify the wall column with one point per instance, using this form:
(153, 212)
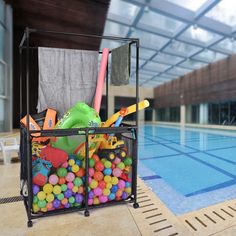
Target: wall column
(203, 114)
(111, 105)
(182, 115)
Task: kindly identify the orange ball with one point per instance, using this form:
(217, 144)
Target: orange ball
(80, 189)
(98, 175)
(64, 201)
(80, 173)
(119, 193)
(96, 158)
(61, 180)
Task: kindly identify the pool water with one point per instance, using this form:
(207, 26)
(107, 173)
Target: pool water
(188, 168)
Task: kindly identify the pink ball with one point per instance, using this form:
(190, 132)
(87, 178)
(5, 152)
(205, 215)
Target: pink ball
(103, 199)
(117, 160)
(53, 179)
(65, 164)
(70, 185)
(121, 184)
(117, 172)
(89, 179)
(90, 201)
(91, 172)
(70, 177)
(97, 191)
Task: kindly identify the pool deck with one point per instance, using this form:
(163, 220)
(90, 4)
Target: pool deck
(152, 218)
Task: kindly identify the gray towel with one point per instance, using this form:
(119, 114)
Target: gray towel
(66, 76)
(120, 65)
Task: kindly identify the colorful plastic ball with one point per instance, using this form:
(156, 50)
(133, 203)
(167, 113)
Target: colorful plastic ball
(127, 169)
(35, 189)
(112, 196)
(89, 180)
(102, 184)
(90, 201)
(83, 164)
(61, 172)
(117, 172)
(57, 189)
(97, 191)
(93, 184)
(113, 165)
(69, 169)
(124, 195)
(79, 198)
(41, 195)
(91, 194)
(128, 161)
(67, 205)
(98, 176)
(80, 189)
(75, 189)
(61, 180)
(106, 191)
(78, 162)
(107, 164)
(99, 166)
(75, 168)
(35, 199)
(121, 165)
(65, 164)
(63, 187)
(103, 199)
(107, 171)
(56, 203)
(95, 157)
(91, 172)
(117, 160)
(68, 193)
(41, 203)
(71, 200)
(77, 181)
(50, 197)
(127, 184)
(119, 193)
(128, 190)
(64, 201)
(80, 173)
(107, 178)
(53, 179)
(71, 162)
(70, 185)
(71, 156)
(114, 180)
(35, 208)
(109, 185)
(44, 209)
(49, 205)
(60, 196)
(70, 177)
(96, 201)
(114, 188)
(121, 184)
(91, 162)
(47, 188)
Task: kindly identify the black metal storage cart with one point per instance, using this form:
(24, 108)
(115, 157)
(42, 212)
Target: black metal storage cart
(128, 133)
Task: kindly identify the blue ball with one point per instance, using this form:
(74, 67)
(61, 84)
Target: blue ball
(69, 168)
(107, 171)
(83, 178)
(111, 196)
(114, 188)
(127, 184)
(78, 162)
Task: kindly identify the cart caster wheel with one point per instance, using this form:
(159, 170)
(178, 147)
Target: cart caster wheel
(86, 214)
(136, 205)
(29, 223)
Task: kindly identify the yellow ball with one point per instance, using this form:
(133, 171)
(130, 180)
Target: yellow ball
(114, 180)
(107, 178)
(41, 195)
(96, 201)
(109, 185)
(56, 189)
(128, 190)
(75, 189)
(44, 209)
(71, 162)
(93, 184)
(47, 188)
(50, 197)
(75, 168)
(106, 191)
(35, 208)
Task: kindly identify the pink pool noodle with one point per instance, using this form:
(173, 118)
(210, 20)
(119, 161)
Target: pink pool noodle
(101, 78)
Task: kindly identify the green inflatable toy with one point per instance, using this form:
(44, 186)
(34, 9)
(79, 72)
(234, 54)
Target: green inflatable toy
(78, 116)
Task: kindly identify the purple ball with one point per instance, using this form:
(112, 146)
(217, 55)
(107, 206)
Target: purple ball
(79, 198)
(67, 205)
(35, 189)
(124, 195)
(68, 193)
(91, 194)
(56, 203)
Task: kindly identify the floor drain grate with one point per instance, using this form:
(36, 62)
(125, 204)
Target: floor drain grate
(11, 199)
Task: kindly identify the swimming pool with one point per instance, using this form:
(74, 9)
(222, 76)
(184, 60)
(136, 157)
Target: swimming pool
(188, 168)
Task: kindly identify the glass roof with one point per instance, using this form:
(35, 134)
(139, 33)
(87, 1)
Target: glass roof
(176, 36)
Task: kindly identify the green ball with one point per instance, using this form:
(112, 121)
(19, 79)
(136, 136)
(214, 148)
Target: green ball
(60, 196)
(128, 161)
(61, 172)
(63, 187)
(103, 160)
(71, 200)
(91, 162)
(78, 181)
(77, 205)
(35, 199)
(42, 203)
(107, 164)
(121, 165)
(80, 157)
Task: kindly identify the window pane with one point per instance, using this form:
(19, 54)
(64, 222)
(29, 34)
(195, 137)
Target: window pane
(227, 44)
(209, 56)
(1, 42)
(165, 58)
(112, 28)
(189, 4)
(232, 113)
(192, 64)
(2, 77)
(153, 66)
(224, 113)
